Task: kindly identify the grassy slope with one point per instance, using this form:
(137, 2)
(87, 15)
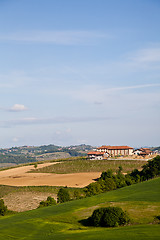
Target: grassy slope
(79, 165)
(142, 201)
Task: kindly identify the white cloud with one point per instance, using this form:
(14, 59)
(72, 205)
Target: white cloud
(147, 55)
(98, 95)
(56, 120)
(18, 108)
(56, 37)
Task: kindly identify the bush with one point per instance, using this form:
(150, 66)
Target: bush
(93, 189)
(49, 202)
(77, 194)
(151, 169)
(109, 217)
(3, 208)
(107, 174)
(108, 184)
(63, 195)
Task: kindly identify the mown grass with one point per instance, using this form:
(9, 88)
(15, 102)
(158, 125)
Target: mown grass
(91, 166)
(142, 201)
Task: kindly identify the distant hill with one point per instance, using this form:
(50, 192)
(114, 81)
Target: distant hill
(155, 148)
(25, 154)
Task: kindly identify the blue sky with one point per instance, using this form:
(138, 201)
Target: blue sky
(79, 71)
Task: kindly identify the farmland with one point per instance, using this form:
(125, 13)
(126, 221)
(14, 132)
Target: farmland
(64, 221)
(82, 165)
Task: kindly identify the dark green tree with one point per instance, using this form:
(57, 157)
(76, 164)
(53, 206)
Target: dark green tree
(109, 217)
(63, 195)
(3, 208)
(77, 194)
(93, 189)
(49, 202)
(107, 174)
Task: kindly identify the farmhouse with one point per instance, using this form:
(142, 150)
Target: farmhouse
(95, 155)
(110, 151)
(116, 150)
(142, 152)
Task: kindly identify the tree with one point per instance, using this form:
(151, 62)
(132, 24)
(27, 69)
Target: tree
(109, 217)
(3, 208)
(77, 194)
(93, 189)
(107, 174)
(63, 195)
(49, 202)
(35, 165)
(107, 185)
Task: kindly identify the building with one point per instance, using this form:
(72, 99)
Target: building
(95, 155)
(104, 152)
(143, 152)
(116, 150)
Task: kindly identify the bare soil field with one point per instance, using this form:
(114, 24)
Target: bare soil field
(21, 177)
(25, 201)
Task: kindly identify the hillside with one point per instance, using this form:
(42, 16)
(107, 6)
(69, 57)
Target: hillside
(26, 154)
(156, 149)
(64, 221)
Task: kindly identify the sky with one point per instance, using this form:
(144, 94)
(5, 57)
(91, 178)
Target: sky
(79, 72)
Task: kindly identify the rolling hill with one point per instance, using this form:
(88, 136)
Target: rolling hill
(64, 221)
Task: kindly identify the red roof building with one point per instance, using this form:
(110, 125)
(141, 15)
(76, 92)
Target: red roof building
(116, 150)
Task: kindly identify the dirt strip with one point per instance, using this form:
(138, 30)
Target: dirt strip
(20, 177)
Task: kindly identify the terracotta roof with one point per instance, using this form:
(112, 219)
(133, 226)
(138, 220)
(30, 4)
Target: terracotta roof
(146, 150)
(114, 147)
(95, 153)
(143, 153)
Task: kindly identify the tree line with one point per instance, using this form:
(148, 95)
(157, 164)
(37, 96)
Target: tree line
(110, 181)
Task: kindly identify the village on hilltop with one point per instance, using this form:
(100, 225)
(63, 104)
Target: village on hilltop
(105, 152)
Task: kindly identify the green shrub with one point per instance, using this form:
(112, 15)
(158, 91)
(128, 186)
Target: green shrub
(107, 174)
(129, 180)
(63, 195)
(109, 217)
(93, 189)
(107, 185)
(49, 202)
(3, 208)
(77, 194)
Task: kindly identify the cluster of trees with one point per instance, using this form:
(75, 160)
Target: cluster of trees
(109, 217)
(49, 202)
(52, 149)
(62, 196)
(107, 182)
(149, 170)
(110, 181)
(17, 159)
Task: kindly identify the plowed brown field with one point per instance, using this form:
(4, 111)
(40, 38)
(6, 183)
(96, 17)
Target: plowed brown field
(21, 177)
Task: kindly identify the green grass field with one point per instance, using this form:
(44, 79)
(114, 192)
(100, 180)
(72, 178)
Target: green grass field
(75, 166)
(142, 201)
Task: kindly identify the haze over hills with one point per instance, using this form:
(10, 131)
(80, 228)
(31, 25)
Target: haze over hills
(25, 154)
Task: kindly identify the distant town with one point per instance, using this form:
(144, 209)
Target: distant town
(104, 152)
